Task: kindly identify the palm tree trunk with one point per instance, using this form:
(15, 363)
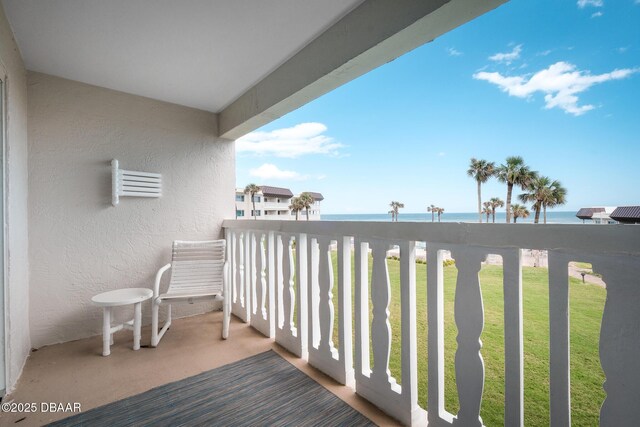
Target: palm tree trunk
(508, 204)
(433, 216)
(515, 219)
(297, 212)
(307, 213)
(544, 207)
(479, 202)
(493, 214)
(537, 209)
(254, 208)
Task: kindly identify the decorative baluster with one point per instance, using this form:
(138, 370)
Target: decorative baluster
(279, 282)
(345, 330)
(248, 276)
(240, 258)
(261, 319)
(559, 385)
(288, 290)
(257, 290)
(302, 277)
(620, 340)
(261, 277)
(361, 253)
(408, 333)
(435, 318)
(253, 285)
(513, 345)
(380, 325)
(314, 293)
(239, 307)
(325, 309)
(469, 315)
(231, 235)
(271, 281)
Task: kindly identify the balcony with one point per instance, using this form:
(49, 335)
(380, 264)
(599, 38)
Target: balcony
(283, 280)
(275, 206)
(76, 372)
(65, 116)
(284, 287)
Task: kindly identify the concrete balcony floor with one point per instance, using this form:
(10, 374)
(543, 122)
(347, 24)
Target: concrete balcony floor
(77, 372)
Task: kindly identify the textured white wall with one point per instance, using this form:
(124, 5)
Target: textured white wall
(17, 284)
(80, 244)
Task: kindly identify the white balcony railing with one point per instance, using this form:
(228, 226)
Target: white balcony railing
(273, 206)
(284, 268)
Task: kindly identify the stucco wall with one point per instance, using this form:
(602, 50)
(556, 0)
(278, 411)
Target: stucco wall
(17, 268)
(80, 244)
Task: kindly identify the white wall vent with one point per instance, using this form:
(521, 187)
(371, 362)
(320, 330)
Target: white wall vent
(133, 184)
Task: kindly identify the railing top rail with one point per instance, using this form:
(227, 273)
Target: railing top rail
(599, 239)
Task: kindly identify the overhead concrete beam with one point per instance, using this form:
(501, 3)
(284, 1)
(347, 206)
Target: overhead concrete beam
(373, 34)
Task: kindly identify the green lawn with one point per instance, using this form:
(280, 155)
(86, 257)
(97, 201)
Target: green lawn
(586, 305)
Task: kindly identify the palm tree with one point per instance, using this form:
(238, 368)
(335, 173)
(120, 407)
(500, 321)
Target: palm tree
(487, 209)
(495, 202)
(440, 211)
(252, 190)
(393, 214)
(481, 171)
(306, 200)
(432, 209)
(537, 191)
(558, 197)
(395, 206)
(519, 211)
(514, 172)
(296, 206)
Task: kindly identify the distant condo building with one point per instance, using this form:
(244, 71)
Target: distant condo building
(274, 203)
(597, 214)
(610, 215)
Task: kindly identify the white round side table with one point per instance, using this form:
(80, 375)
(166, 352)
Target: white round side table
(119, 297)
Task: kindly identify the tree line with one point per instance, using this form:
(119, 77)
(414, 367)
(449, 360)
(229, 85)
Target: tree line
(539, 190)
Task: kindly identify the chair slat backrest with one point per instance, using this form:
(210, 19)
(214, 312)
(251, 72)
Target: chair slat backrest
(197, 268)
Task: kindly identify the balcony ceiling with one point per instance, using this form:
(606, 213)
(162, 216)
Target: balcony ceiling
(201, 54)
(250, 61)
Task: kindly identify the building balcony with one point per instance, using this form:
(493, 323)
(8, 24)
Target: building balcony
(319, 294)
(284, 277)
(275, 206)
(75, 372)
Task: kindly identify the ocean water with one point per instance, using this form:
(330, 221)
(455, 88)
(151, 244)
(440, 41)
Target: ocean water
(553, 217)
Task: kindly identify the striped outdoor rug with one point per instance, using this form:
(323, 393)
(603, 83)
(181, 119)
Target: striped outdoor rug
(263, 390)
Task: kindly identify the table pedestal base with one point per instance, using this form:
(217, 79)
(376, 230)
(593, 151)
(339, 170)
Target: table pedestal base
(134, 325)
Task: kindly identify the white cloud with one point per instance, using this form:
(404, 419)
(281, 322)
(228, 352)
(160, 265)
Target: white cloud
(441, 154)
(622, 49)
(296, 141)
(561, 83)
(270, 171)
(544, 52)
(507, 57)
(454, 52)
(597, 14)
(595, 3)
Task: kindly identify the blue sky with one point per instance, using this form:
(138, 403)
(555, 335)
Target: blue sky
(554, 81)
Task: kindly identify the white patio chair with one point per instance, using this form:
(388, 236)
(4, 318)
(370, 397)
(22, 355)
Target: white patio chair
(198, 271)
